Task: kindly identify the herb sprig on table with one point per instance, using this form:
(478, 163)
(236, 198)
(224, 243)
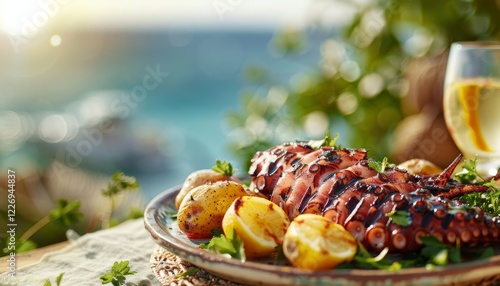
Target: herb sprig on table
(116, 275)
(58, 281)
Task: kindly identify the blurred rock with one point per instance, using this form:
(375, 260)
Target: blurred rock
(423, 133)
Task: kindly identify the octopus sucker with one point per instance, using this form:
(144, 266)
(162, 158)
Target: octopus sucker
(376, 238)
(341, 185)
(356, 228)
(398, 240)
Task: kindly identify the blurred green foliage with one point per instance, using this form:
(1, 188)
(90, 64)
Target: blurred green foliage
(358, 84)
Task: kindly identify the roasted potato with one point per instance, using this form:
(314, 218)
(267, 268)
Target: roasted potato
(420, 167)
(203, 208)
(199, 178)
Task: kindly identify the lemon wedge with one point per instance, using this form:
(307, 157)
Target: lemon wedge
(313, 242)
(258, 222)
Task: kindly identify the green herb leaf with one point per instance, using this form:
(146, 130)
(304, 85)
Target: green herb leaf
(380, 167)
(488, 252)
(186, 273)
(469, 173)
(439, 253)
(22, 246)
(120, 183)
(366, 260)
(66, 213)
(280, 255)
(217, 232)
(58, 280)
(399, 217)
(488, 201)
(224, 167)
(171, 214)
(327, 141)
(231, 245)
(116, 275)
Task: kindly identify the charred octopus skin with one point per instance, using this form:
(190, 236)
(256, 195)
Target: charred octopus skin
(341, 185)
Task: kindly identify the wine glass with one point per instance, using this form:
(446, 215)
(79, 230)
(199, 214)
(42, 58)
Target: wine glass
(472, 102)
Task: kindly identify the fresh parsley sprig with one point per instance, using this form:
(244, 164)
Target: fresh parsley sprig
(380, 167)
(365, 260)
(230, 245)
(400, 217)
(171, 214)
(327, 141)
(224, 167)
(116, 275)
(438, 253)
(488, 201)
(469, 173)
(189, 272)
(58, 280)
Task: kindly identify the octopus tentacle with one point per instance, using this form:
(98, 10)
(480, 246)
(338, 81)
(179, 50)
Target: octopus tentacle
(340, 185)
(445, 175)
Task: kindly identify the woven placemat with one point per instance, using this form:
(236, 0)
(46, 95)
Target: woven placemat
(166, 266)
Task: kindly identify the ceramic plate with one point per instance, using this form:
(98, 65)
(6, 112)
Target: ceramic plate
(166, 233)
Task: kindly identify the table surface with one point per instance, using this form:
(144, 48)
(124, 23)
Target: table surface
(83, 261)
(31, 257)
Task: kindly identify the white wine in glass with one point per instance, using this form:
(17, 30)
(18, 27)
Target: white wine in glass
(472, 102)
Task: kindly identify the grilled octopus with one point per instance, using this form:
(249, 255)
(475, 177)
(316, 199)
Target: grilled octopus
(340, 185)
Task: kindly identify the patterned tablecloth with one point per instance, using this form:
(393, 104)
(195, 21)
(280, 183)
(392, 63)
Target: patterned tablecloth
(92, 255)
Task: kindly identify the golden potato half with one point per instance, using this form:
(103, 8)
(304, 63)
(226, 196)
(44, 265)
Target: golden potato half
(203, 208)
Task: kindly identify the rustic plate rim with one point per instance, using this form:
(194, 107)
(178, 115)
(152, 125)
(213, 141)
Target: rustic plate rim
(211, 261)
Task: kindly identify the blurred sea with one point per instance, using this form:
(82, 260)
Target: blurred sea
(177, 126)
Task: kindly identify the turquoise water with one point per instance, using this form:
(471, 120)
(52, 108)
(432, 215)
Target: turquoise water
(177, 126)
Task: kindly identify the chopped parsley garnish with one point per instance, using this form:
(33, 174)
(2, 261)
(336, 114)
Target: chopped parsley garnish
(380, 167)
(327, 141)
(116, 275)
(366, 260)
(189, 272)
(230, 245)
(399, 217)
(224, 167)
(439, 253)
(488, 201)
(171, 214)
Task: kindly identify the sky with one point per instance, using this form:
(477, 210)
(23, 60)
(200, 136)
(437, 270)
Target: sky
(43, 64)
(135, 14)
